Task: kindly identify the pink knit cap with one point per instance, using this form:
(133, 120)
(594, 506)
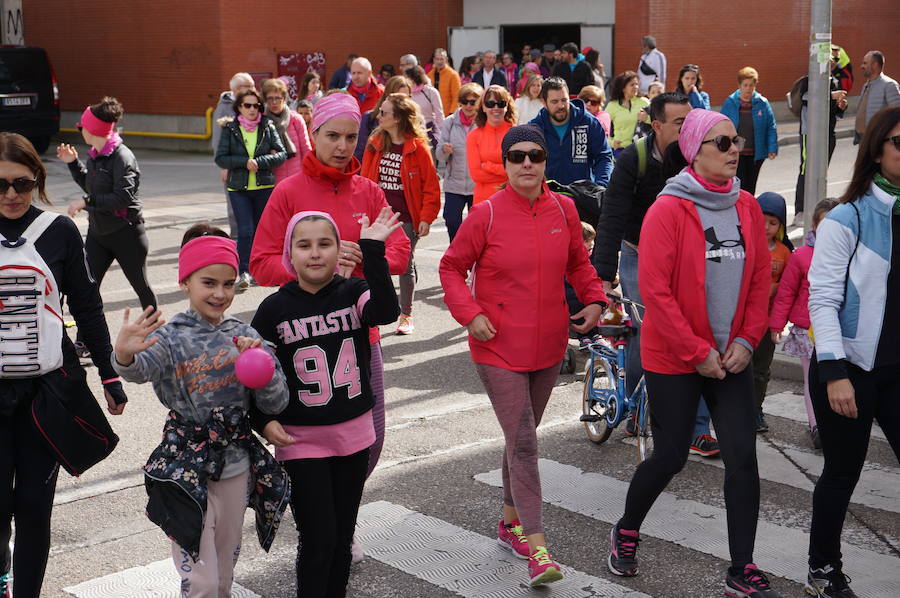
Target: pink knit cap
(337, 105)
(696, 125)
(206, 251)
(289, 232)
(94, 125)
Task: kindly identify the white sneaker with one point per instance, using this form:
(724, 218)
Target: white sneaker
(405, 325)
(243, 282)
(798, 220)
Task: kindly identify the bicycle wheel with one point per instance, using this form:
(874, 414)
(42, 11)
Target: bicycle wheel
(644, 432)
(597, 385)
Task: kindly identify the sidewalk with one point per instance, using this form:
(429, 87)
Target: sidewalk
(789, 131)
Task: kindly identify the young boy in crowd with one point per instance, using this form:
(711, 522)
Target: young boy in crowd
(588, 235)
(775, 211)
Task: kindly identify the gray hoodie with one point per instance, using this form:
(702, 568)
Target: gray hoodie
(725, 253)
(191, 368)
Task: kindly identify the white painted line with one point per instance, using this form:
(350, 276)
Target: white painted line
(156, 580)
(468, 564)
(96, 488)
(780, 550)
(791, 406)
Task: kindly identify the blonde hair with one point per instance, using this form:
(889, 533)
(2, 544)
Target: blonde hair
(392, 86)
(496, 92)
(748, 72)
(531, 79)
(587, 232)
(469, 89)
(270, 85)
(592, 92)
(409, 122)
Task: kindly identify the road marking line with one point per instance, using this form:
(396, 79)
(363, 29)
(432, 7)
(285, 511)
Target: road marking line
(156, 580)
(780, 550)
(464, 562)
(791, 406)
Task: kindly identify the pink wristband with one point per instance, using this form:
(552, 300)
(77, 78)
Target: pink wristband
(116, 379)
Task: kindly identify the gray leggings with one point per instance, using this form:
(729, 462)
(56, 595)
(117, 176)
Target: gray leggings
(408, 278)
(519, 400)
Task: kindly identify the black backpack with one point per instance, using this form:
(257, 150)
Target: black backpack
(587, 195)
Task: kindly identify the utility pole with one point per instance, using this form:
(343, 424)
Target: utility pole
(11, 28)
(818, 104)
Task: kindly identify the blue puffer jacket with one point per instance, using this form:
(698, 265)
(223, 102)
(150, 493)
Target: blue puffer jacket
(582, 153)
(764, 133)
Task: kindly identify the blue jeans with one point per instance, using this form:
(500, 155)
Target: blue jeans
(248, 207)
(628, 278)
(453, 210)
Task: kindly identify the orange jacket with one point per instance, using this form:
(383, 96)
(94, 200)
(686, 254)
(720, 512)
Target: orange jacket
(421, 188)
(448, 86)
(485, 158)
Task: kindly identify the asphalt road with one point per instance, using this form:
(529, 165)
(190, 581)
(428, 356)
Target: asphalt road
(430, 510)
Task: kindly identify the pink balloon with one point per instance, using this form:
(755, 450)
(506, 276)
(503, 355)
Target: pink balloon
(254, 367)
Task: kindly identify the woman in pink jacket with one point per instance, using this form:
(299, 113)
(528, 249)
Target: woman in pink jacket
(519, 244)
(791, 305)
(290, 125)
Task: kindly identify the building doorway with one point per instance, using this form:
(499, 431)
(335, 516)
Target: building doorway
(513, 37)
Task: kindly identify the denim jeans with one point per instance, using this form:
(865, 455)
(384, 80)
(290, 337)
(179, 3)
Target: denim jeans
(453, 211)
(248, 207)
(628, 278)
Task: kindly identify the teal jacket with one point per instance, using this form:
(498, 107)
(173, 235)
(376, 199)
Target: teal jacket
(764, 133)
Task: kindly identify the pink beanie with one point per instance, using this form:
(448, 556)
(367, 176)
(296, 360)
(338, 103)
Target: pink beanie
(289, 232)
(337, 105)
(206, 251)
(696, 125)
(94, 125)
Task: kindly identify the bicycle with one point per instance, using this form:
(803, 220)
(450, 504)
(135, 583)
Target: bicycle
(605, 403)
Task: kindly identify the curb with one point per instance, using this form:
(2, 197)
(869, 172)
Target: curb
(794, 138)
(786, 367)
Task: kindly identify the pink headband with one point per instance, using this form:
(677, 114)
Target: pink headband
(206, 251)
(337, 105)
(94, 125)
(696, 125)
(533, 66)
(289, 232)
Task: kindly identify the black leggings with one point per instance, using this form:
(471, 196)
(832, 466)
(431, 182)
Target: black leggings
(129, 247)
(845, 442)
(27, 484)
(325, 496)
(748, 172)
(673, 409)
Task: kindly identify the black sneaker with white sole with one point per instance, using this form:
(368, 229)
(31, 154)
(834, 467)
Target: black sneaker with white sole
(828, 582)
(749, 583)
(622, 558)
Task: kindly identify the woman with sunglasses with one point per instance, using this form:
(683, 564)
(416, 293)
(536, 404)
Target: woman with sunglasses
(290, 126)
(704, 270)
(369, 122)
(529, 103)
(626, 108)
(496, 116)
(110, 181)
(251, 149)
(398, 158)
(28, 471)
(594, 98)
(754, 120)
(853, 374)
(518, 245)
(458, 185)
(690, 83)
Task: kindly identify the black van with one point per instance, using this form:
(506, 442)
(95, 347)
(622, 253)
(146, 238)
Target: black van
(29, 95)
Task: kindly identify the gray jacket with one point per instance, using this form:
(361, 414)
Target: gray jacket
(883, 91)
(223, 109)
(456, 178)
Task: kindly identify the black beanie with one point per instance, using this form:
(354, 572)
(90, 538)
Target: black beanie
(521, 133)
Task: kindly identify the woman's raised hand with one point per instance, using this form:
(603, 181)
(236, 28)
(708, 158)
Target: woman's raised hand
(66, 153)
(132, 338)
(386, 223)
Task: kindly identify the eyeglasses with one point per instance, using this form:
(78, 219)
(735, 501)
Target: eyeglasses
(250, 106)
(495, 104)
(20, 185)
(895, 140)
(382, 113)
(468, 102)
(724, 142)
(518, 156)
(273, 100)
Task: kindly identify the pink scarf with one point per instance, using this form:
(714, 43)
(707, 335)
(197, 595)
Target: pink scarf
(249, 125)
(418, 88)
(464, 120)
(112, 142)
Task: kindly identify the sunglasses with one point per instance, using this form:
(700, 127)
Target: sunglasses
(495, 104)
(518, 156)
(250, 106)
(895, 140)
(468, 102)
(724, 142)
(382, 113)
(592, 102)
(20, 186)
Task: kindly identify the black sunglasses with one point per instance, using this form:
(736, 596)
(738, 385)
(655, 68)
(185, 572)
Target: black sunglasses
(724, 142)
(895, 140)
(592, 102)
(21, 185)
(495, 103)
(518, 156)
(468, 102)
(248, 106)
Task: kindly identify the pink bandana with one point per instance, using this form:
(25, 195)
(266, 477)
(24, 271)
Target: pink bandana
(696, 125)
(337, 105)
(206, 251)
(289, 232)
(94, 125)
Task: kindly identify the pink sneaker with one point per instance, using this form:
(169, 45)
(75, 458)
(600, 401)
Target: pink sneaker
(513, 538)
(405, 325)
(542, 569)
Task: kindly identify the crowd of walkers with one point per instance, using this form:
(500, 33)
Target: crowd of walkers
(329, 193)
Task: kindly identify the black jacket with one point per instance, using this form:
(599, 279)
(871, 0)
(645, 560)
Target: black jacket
(575, 80)
(498, 77)
(625, 204)
(110, 184)
(232, 154)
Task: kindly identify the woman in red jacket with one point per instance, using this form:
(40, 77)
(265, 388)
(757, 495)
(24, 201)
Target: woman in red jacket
(398, 158)
(496, 115)
(703, 271)
(519, 245)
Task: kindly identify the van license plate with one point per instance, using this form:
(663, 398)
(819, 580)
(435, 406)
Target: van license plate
(17, 101)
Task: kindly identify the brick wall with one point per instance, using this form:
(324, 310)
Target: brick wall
(770, 35)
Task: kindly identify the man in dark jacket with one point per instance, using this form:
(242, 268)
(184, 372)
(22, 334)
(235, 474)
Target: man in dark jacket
(577, 148)
(341, 77)
(632, 190)
(576, 73)
(489, 75)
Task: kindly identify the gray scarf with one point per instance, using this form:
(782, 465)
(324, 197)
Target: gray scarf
(686, 186)
(281, 122)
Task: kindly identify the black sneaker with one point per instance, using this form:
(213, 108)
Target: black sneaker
(705, 446)
(826, 582)
(761, 424)
(623, 545)
(631, 426)
(749, 583)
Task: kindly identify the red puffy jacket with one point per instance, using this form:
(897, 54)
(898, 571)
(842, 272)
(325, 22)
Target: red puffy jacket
(792, 298)
(676, 335)
(519, 255)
